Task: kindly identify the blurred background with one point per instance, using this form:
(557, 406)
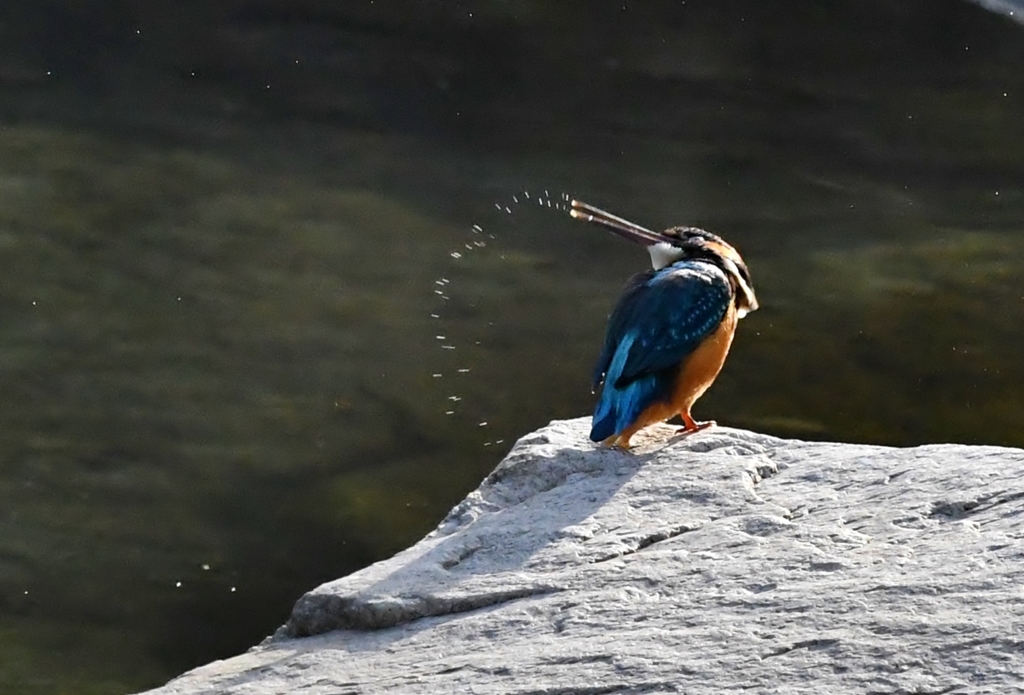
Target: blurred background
(282, 280)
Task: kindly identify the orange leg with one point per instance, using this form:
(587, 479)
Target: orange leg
(692, 425)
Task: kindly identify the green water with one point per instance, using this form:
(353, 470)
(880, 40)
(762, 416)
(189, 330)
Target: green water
(224, 380)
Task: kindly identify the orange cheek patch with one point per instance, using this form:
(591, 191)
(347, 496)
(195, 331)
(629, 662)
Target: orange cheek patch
(725, 251)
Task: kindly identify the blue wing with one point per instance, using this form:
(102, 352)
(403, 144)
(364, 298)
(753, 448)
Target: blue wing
(662, 317)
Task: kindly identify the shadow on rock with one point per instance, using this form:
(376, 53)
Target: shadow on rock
(519, 535)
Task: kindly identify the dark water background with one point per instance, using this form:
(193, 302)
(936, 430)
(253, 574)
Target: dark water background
(225, 227)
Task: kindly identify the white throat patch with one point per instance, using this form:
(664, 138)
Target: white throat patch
(663, 254)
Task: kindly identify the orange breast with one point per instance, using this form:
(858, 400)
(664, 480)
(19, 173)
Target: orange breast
(702, 366)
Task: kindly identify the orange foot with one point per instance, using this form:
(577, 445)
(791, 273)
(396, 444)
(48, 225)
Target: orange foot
(692, 425)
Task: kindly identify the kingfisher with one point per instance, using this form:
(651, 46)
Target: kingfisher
(671, 330)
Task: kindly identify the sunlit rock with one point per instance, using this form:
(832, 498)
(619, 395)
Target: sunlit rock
(722, 562)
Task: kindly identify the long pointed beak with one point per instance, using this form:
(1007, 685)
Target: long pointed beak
(624, 228)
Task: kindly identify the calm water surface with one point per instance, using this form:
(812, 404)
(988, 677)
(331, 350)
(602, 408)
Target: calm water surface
(277, 290)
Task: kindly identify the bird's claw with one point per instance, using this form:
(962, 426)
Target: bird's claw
(697, 427)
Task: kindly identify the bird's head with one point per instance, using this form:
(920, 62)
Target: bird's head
(679, 243)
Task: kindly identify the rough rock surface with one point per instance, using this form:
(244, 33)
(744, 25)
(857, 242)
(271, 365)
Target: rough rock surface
(720, 562)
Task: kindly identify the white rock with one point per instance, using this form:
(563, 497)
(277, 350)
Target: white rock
(721, 562)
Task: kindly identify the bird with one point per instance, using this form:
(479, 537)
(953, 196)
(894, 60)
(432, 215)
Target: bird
(670, 331)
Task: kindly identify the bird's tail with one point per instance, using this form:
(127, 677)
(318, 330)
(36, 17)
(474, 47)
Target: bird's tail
(620, 407)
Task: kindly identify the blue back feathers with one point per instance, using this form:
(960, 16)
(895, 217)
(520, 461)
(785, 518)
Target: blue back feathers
(661, 318)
